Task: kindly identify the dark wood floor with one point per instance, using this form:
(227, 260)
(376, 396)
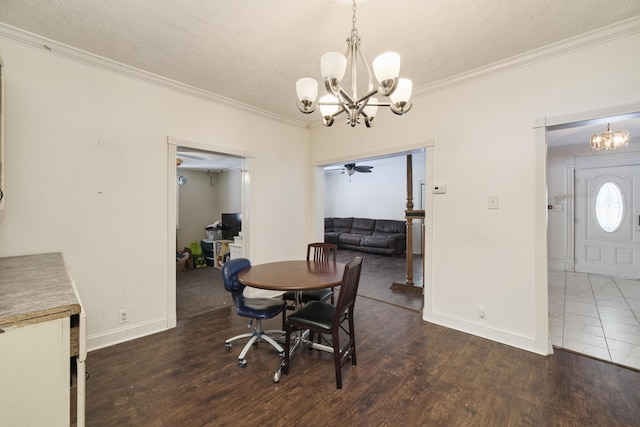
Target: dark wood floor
(409, 373)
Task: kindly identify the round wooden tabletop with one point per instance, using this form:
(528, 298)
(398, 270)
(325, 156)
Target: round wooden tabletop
(293, 275)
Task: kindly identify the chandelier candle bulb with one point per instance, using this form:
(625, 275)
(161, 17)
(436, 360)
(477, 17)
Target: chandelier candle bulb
(307, 89)
(387, 66)
(333, 65)
(400, 97)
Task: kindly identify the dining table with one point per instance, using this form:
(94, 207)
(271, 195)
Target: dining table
(298, 276)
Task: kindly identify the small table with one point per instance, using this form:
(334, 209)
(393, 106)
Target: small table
(293, 276)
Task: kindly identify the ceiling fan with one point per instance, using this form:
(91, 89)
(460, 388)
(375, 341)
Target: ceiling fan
(351, 168)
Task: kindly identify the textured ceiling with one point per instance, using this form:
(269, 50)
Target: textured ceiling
(253, 51)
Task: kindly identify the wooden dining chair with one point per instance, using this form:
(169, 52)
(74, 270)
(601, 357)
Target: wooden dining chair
(324, 318)
(321, 252)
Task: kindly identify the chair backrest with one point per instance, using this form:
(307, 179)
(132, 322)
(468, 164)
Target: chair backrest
(321, 252)
(348, 288)
(230, 271)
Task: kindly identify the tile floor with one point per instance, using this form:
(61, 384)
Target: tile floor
(596, 315)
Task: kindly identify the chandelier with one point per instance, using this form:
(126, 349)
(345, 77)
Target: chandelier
(333, 66)
(609, 140)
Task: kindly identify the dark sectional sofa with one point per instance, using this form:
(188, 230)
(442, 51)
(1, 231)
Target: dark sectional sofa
(376, 236)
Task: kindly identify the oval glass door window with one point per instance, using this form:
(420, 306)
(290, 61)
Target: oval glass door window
(609, 207)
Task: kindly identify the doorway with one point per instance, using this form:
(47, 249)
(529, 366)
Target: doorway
(204, 161)
(591, 219)
(377, 179)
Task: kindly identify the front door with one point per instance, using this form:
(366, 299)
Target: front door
(607, 221)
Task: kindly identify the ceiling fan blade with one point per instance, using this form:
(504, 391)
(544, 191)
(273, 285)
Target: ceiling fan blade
(364, 169)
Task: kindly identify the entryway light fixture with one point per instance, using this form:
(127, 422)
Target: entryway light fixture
(609, 140)
(333, 65)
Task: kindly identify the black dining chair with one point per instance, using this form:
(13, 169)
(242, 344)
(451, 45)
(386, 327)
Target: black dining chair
(324, 318)
(321, 252)
(257, 309)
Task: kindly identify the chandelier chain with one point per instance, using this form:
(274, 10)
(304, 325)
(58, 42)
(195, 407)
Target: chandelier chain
(354, 30)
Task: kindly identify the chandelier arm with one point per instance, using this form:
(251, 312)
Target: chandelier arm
(363, 102)
(347, 97)
(306, 109)
(402, 109)
(367, 96)
(366, 66)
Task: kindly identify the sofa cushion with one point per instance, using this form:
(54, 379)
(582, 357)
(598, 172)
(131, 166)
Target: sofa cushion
(342, 225)
(350, 239)
(389, 226)
(363, 226)
(328, 225)
(377, 242)
(332, 237)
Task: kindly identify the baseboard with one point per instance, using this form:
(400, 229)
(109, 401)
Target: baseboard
(512, 339)
(127, 333)
(558, 264)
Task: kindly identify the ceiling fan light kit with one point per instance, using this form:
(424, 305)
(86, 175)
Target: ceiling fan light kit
(351, 168)
(333, 66)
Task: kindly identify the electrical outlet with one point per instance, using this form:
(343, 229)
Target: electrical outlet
(124, 316)
(482, 311)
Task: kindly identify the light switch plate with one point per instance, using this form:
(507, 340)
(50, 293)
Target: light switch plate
(493, 202)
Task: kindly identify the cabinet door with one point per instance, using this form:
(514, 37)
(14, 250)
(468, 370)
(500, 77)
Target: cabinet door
(35, 368)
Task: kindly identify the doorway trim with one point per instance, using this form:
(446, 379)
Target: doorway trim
(541, 292)
(247, 197)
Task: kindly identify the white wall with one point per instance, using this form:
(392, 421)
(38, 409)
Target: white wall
(483, 136)
(230, 191)
(198, 206)
(87, 173)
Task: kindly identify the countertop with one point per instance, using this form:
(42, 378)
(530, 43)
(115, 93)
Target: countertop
(34, 289)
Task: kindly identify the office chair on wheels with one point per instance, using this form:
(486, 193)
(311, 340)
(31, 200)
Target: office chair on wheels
(257, 309)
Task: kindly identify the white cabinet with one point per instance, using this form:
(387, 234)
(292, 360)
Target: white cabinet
(235, 251)
(35, 370)
(42, 343)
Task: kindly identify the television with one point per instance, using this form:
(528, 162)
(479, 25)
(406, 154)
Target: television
(231, 225)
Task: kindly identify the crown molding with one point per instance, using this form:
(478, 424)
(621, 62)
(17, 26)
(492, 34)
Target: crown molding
(602, 35)
(56, 48)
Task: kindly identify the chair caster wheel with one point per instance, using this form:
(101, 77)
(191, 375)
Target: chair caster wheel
(281, 354)
(242, 363)
(227, 345)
